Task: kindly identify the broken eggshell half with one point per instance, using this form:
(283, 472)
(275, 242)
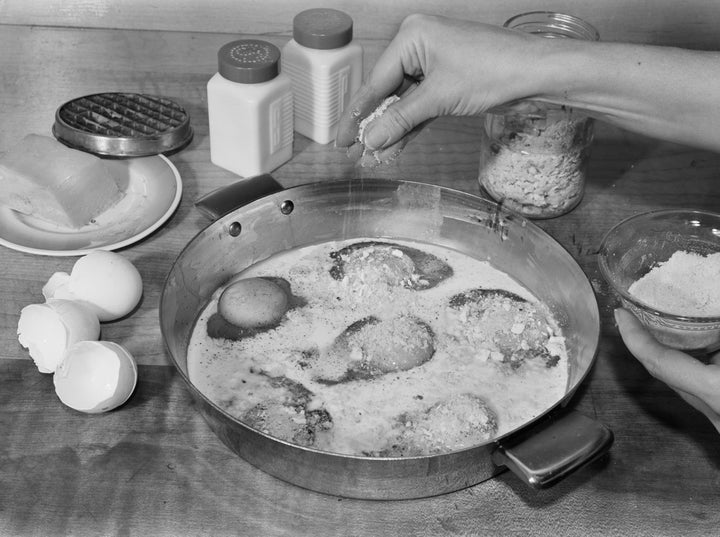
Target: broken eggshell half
(95, 376)
(47, 330)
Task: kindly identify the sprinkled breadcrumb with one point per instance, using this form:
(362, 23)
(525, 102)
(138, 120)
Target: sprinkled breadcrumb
(371, 364)
(380, 110)
(535, 164)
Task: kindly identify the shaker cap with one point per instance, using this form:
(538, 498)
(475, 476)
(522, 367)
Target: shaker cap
(322, 28)
(249, 61)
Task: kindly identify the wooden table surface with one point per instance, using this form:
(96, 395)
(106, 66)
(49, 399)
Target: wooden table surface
(154, 468)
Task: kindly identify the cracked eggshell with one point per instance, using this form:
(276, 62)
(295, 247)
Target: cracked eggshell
(56, 286)
(95, 376)
(48, 329)
(104, 281)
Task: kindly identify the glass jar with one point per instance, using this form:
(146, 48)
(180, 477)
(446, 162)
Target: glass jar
(534, 158)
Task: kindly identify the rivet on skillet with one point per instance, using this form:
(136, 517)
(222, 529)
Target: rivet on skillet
(287, 207)
(234, 229)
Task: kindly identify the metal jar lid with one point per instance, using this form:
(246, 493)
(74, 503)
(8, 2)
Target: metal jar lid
(123, 124)
(322, 28)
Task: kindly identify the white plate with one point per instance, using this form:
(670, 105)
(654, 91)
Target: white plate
(153, 189)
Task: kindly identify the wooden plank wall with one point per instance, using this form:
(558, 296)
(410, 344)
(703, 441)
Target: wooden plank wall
(668, 22)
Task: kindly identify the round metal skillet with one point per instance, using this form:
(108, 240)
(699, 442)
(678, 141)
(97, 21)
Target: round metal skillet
(544, 450)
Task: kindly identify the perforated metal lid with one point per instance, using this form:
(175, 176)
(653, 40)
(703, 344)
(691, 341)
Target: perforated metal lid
(123, 124)
(249, 61)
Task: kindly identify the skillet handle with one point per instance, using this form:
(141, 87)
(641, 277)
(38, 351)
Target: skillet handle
(554, 448)
(227, 198)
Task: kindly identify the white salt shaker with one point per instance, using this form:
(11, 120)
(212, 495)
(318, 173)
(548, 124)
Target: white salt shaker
(250, 109)
(325, 66)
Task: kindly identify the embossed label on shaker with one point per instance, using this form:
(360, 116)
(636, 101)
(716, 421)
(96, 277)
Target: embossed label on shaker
(343, 89)
(280, 119)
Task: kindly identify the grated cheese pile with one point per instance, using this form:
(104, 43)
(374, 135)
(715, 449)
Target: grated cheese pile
(686, 284)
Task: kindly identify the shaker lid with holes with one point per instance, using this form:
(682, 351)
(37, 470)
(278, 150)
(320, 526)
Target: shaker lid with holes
(123, 124)
(322, 28)
(249, 61)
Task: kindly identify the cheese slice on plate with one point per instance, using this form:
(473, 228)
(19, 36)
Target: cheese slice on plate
(45, 179)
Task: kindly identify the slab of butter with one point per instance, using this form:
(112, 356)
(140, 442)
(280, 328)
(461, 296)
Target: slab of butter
(43, 178)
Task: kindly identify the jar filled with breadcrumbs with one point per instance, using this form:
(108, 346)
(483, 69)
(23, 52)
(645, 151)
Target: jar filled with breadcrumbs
(533, 158)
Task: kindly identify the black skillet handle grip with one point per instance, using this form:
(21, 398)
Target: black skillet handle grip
(553, 448)
(221, 201)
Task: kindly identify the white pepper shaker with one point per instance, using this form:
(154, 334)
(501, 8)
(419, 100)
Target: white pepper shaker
(250, 109)
(325, 66)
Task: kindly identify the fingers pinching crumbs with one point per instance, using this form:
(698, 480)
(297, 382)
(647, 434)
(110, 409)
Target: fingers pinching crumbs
(374, 157)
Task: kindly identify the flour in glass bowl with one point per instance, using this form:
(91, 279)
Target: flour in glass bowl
(687, 284)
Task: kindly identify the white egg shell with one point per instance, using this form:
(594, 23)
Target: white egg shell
(95, 376)
(56, 286)
(48, 329)
(105, 281)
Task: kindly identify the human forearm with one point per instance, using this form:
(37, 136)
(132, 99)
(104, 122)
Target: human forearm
(664, 92)
(468, 68)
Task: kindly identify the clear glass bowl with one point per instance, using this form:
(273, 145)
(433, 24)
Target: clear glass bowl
(638, 244)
